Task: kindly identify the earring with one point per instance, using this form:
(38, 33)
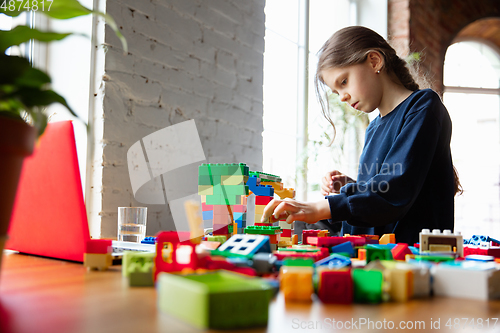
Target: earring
(378, 72)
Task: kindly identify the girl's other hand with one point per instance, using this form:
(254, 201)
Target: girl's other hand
(333, 181)
(293, 210)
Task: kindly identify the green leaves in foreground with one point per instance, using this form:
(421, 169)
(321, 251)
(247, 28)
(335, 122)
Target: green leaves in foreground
(57, 9)
(22, 34)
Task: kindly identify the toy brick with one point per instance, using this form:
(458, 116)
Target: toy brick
(220, 239)
(285, 193)
(262, 230)
(437, 237)
(335, 260)
(336, 286)
(273, 239)
(219, 300)
(259, 190)
(245, 244)
(208, 215)
(489, 251)
(285, 225)
(472, 280)
(239, 216)
(239, 208)
(205, 207)
(377, 253)
(141, 279)
(401, 284)
(367, 286)
(259, 209)
(259, 224)
(400, 251)
(276, 185)
(205, 190)
(387, 239)
(233, 180)
(332, 241)
(138, 267)
(222, 210)
(205, 180)
(296, 283)
(101, 246)
(221, 229)
(97, 261)
(344, 247)
(148, 240)
(286, 233)
(262, 200)
(285, 242)
(299, 262)
(222, 220)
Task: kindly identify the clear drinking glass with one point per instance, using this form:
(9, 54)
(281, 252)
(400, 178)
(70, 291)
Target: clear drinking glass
(132, 223)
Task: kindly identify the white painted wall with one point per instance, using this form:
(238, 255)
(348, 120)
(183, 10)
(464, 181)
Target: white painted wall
(187, 59)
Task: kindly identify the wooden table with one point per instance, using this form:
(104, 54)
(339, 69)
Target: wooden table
(45, 295)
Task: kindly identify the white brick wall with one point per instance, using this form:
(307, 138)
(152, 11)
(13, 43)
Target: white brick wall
(187, 59)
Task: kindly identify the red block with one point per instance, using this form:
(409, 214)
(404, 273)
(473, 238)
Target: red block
(336, 287)
(219, 229)
(308, 233)
(239, 208)
(221, 210)
(98, 246)
(332, 241)
(263, 224)
(206, 208)
(262, 200)
(400, 251)
(286, 233)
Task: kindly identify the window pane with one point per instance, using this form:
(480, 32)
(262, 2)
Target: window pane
(282, 18)
(475, 147)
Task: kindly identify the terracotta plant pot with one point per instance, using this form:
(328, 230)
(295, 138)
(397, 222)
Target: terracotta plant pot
(17, 140)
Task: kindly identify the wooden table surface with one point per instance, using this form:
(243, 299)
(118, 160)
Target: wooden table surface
(45, 295)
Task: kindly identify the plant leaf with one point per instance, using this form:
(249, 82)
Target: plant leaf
(22, 34)
(18, 71)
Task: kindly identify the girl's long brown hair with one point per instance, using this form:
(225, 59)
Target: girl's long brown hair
(350, 46)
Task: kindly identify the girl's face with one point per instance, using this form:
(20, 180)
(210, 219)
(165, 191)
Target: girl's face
(359, 85)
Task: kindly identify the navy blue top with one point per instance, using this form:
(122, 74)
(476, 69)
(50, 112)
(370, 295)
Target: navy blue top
(405, 178)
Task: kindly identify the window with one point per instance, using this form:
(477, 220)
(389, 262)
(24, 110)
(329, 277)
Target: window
(472, 91)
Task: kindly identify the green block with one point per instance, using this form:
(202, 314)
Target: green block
(263, 230)
(140, 279)
(434, 258)
(230, 189)
(208, 180)
(219, 300)
(221, 239)
(377, 253)
(367, 286)
(298, 262)
(215, 200)
(134, 261)
(203, 170)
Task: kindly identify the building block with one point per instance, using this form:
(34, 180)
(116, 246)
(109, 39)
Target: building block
(335, 286)
(148, 240)
(387, 239)
(254, 187)
(334, 261)
(482, 250)
(344, 247)
(245, 245)
(208, 215)
(219, 239)
(447, 238)
(375, 252)
(296, 283)
(138, 267)
(401, 284)
(97, 261)
(168, 248)
(218, 300)
(400, 251)
(332, 241)
(367, 285)
(262, 230)
(262, 200)
(101, 246)
(467, 279)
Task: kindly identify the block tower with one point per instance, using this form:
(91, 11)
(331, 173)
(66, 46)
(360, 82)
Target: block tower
(223, 195)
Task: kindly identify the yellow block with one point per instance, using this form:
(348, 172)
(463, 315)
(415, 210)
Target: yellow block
(387, 239)
(296, 283)
(232, 180)
(285, 193)
(401, 284)
(205, 190)
(439, 248)
(259, 209)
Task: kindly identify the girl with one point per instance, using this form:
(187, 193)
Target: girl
(406, 180)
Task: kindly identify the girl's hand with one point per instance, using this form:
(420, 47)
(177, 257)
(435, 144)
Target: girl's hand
(292, 210)
(333, 181)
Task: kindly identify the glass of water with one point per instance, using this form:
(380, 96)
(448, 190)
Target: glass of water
(132, 223)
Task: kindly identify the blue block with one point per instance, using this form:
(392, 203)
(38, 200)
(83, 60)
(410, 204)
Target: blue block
(267, 190)
(334, 261)
(208, 215)
(344, 247)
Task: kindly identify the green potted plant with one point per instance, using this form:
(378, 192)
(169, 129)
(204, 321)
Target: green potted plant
(25, 92)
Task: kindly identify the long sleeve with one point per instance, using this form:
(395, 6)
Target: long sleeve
(399, 158)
